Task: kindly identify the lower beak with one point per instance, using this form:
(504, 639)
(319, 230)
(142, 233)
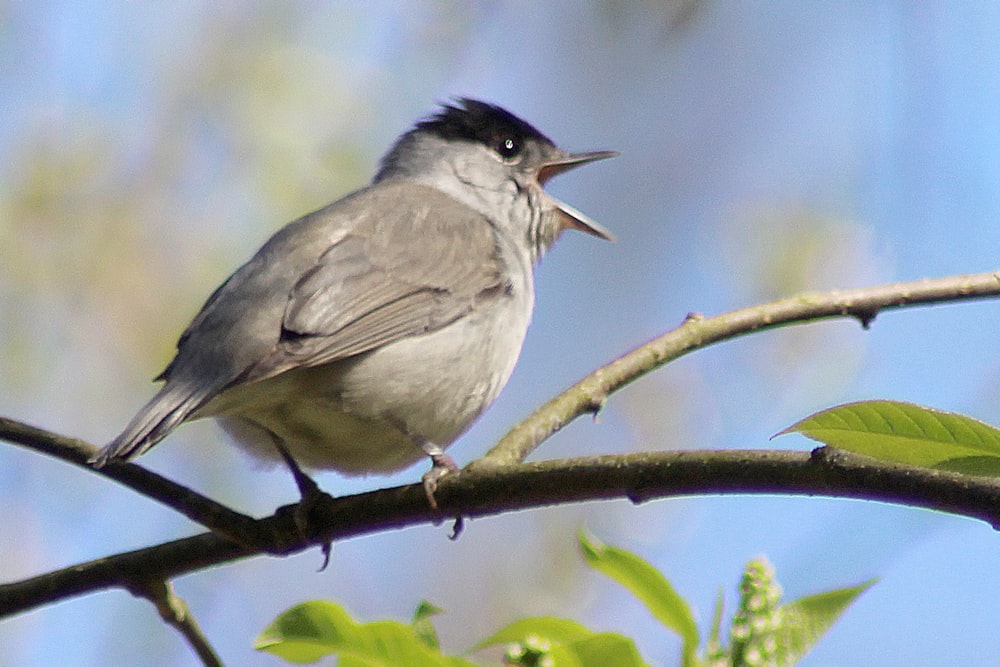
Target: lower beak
(569, 217)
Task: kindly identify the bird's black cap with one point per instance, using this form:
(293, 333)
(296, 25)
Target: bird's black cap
(473, 120)
(468, 120)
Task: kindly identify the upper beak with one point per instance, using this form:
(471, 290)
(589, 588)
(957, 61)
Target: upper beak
(570, 217)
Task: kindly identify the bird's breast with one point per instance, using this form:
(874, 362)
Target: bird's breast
(372, 412)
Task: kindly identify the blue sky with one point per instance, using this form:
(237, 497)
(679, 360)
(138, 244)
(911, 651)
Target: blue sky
(765, 148)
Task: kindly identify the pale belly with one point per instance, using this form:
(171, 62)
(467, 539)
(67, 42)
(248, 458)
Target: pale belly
(377, 412)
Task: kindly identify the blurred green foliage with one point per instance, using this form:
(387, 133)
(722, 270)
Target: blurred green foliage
(763, 632)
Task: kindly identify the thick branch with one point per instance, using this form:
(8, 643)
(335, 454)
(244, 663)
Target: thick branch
(696, 332)
(488, 491)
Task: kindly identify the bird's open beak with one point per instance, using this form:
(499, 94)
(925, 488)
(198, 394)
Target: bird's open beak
(569, 217)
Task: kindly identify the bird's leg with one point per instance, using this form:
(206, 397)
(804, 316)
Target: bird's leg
(312, 496)
(308, 489)
(442, 465)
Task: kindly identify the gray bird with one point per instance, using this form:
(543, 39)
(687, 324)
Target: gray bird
(375, 330)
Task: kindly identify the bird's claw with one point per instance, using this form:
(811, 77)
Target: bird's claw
(442, 465)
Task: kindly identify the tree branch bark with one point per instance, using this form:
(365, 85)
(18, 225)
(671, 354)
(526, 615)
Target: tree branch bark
(636, 477)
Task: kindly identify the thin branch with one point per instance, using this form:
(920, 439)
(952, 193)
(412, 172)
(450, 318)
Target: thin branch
(201, 509)
(488, 491)
(697, 331)
(175, 613)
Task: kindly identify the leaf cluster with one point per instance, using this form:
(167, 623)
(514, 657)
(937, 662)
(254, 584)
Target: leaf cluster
(763, 632)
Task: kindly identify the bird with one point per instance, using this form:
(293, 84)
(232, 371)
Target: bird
(374, 331)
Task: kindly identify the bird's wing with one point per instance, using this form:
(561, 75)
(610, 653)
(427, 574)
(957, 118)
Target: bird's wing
(408, 271)
(338, 282)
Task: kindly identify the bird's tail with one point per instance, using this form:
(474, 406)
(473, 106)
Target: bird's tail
(164, 412)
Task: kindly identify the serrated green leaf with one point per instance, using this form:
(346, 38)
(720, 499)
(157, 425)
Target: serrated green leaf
(311, 630)
(555, 630)
(906, 433)
(649, 585)
(806, 620)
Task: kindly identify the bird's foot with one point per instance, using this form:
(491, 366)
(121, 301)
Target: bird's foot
(313, 499)
(442, 465)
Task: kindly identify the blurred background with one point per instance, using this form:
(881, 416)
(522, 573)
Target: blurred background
(147, 149)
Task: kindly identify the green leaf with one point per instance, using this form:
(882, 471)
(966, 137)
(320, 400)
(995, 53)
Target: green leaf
(649, 585)
(306, 632)
(422, 625)
(806, 620)
(604, 649)
(907, 433)
(562, 656)
(572, 645)
(555, 630)
(713, 648)
(717, 618)
(309, 631)
(983, 466)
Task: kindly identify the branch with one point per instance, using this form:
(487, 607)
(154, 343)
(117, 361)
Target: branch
(697, 331)
(175, 613)
(636, 477)
(200, 509)
(499, 482)
(588, 395)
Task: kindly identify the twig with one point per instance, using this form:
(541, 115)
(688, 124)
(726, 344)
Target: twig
(696, 332)
(201, 509)
(175, 613)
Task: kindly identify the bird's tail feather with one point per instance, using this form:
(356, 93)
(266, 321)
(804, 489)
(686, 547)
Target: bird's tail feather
(164, 412)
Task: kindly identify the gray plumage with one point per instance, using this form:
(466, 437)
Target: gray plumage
(375, 330)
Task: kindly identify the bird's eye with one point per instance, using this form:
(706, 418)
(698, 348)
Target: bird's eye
(508, 147)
